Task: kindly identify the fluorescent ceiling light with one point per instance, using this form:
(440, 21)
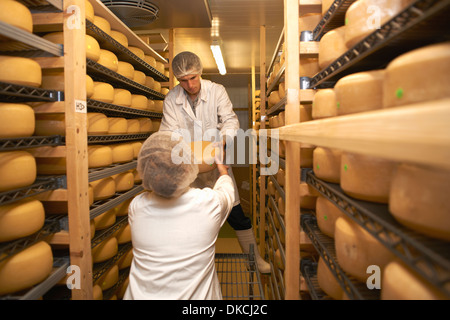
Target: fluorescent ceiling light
(217, 53)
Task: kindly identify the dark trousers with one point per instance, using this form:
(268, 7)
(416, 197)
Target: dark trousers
(238, 220)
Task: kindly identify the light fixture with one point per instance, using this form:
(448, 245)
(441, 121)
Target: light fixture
(217, 53)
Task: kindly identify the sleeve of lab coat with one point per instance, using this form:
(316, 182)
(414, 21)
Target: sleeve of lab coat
(169, 120)
(228, 120)
(224, 188)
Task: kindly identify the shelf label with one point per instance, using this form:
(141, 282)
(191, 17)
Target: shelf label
(73, 21)
(80, 106)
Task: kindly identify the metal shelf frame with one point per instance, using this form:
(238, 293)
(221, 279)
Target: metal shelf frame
(309, 271)
(9, 144)
(10, 92)
(119, 111)
(100, 268)
(103, 234)
(118, 138)
(333, 18)
(103, 172)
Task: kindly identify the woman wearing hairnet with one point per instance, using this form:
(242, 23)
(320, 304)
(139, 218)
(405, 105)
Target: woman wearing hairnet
(197, 106)
(174, 241)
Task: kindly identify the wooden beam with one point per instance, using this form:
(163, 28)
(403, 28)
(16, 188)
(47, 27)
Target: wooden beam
(171, 55)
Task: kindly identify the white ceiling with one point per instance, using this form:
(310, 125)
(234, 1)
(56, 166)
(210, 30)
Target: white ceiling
(239, 23)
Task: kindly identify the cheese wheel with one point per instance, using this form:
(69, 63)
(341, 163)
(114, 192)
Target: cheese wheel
(365, 177)
(123, 235)
(363, 17)
(281, 90)
(327, 281)
(156, 124)
(103, 188)
(305, 112)
(324, 104)
(327, 164)
(119, 37)
(157, 86)
(145, 125)
(89, 11)
(125, 260)
(108, 59)
(332, 46)
(158, 105)
(400, 282)
(418, 75)
(279, 260)
(125, 69)
(97, 123)
(149, 82)
(274, 98)
(51, 166)
(327, 213)
(308, 21)
(103, 92)
(150, 60)
(21, 71)
(117, 125)
(133, 126)
(160, 66)
(281, 206)
(21, 219)
(50, 124)
(137, 51)
(419, 199)
(97, 293)
(124, 181)
(137, 177)
(55, 37)
(308, 67)
(281, 177)
(139, 101)
(102, 24)
(99, 156)
(122, 208)
(356, 249)
(16, 120)
(359, 92)
(17, 169)
(105, 250)
(92, 48)
(122, 152)
(26, 268)
(89, 86)
(16, 14)
(165, 91)
(122, 97)
(109, 278)
(139, 77)
(204, 153)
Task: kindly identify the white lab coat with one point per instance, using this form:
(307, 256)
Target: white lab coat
(174, 243)
(214, 111)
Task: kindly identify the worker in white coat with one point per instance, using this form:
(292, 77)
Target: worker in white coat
(174, 228)
(194, 108)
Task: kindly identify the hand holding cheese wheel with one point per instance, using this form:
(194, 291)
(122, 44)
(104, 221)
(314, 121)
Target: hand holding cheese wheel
(204, 153)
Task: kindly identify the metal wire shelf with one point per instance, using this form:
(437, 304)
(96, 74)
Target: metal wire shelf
(119, 111)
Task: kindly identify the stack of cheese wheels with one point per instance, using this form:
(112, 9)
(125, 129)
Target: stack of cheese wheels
(122, 97)
(105, 250)
(105, 219)
(26, 268)
(400, 282)
(365, 177)
(125, 69)
(273, 99)
(133, 126)
(122, 152)
(97, 123)
(117, 125)
(328, 282)
(103, 188)
(365, 16)
(204, 154)
(103, 92)
(327, 164)
(99, 156)
(356, 249)
(359, 92)
(124, 181)
(16, 14)
(332, 46)
(418, 199)
(20, 219)
(21, 71)
(324, 104)
(119, 37)
(327, 213)
(109, 60)
(419, 75)
(47, 124)
(17, 169)
(16, 120)
(157, 86)
(102, 24)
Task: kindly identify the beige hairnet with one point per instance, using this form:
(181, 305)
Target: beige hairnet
(186, 63)
(166, 165)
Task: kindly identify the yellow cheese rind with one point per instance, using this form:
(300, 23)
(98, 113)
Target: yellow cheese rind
(16, 14)
(17, 169)
(103, 92)
(122, 97)
(124, 181)
(97, 123)
(117, 125)
(16, 120)
(123, 152)
(125, 69)
(109, 278)
(327, 281)
(133, 126)
(204, 153)
(327, 213)
(21, 71)
(92, 48)
(332, 46)
(105, 250)
(139, 101)
(99, 156)
(327, 164)
(137, 51)
(119, 37)
(108, 59)
(103, 188)
(103, 24)
(324, 104)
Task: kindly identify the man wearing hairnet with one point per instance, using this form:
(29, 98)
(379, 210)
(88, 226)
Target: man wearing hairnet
(197, 106)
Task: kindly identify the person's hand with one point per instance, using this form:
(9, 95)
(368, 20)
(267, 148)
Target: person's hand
(223, 169)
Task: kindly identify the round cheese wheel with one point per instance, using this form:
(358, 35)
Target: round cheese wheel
(123, 235)
(89, 86)
(125, 260)
(332, 46)
(327, 281)
(16, 120)
(89, 11)
(16, 14)
(122, 97)
(92, 48)
(281, 177)
(22, 71)
(55, 37)
(282, 90)
(26, 268)
(365, 177)
(117, 125)
(145, 125)
(21, 219)
(308, 21)
(137, 51)
(327, 164)
(102, 24)
(50, 124)
(356, 249)
(119, 37)
(109, 278)
(160, 66)
(139, 77)
(150, 105)
(108, 59)
(308, 67)
(99, 156)
(419, 75)
(125, 69)
(158, 105)
(105, 250)
(204, 153)
(149, 82)
(51, 166)
(281, 206)
(124, 181)
(122, 152)
(103, 92)
(97, 292)
(122, 208)
(400, 282)
(359, 92)
(133, 126)
(156, 124)
(327, 213)
(418, 199)
(324, 104)
(17, 169)
(139, 101)
(363, 17)
(103, 188)
(97, 123)
(150, 60)
(165, 91)
(157, 86)
(274, 98)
